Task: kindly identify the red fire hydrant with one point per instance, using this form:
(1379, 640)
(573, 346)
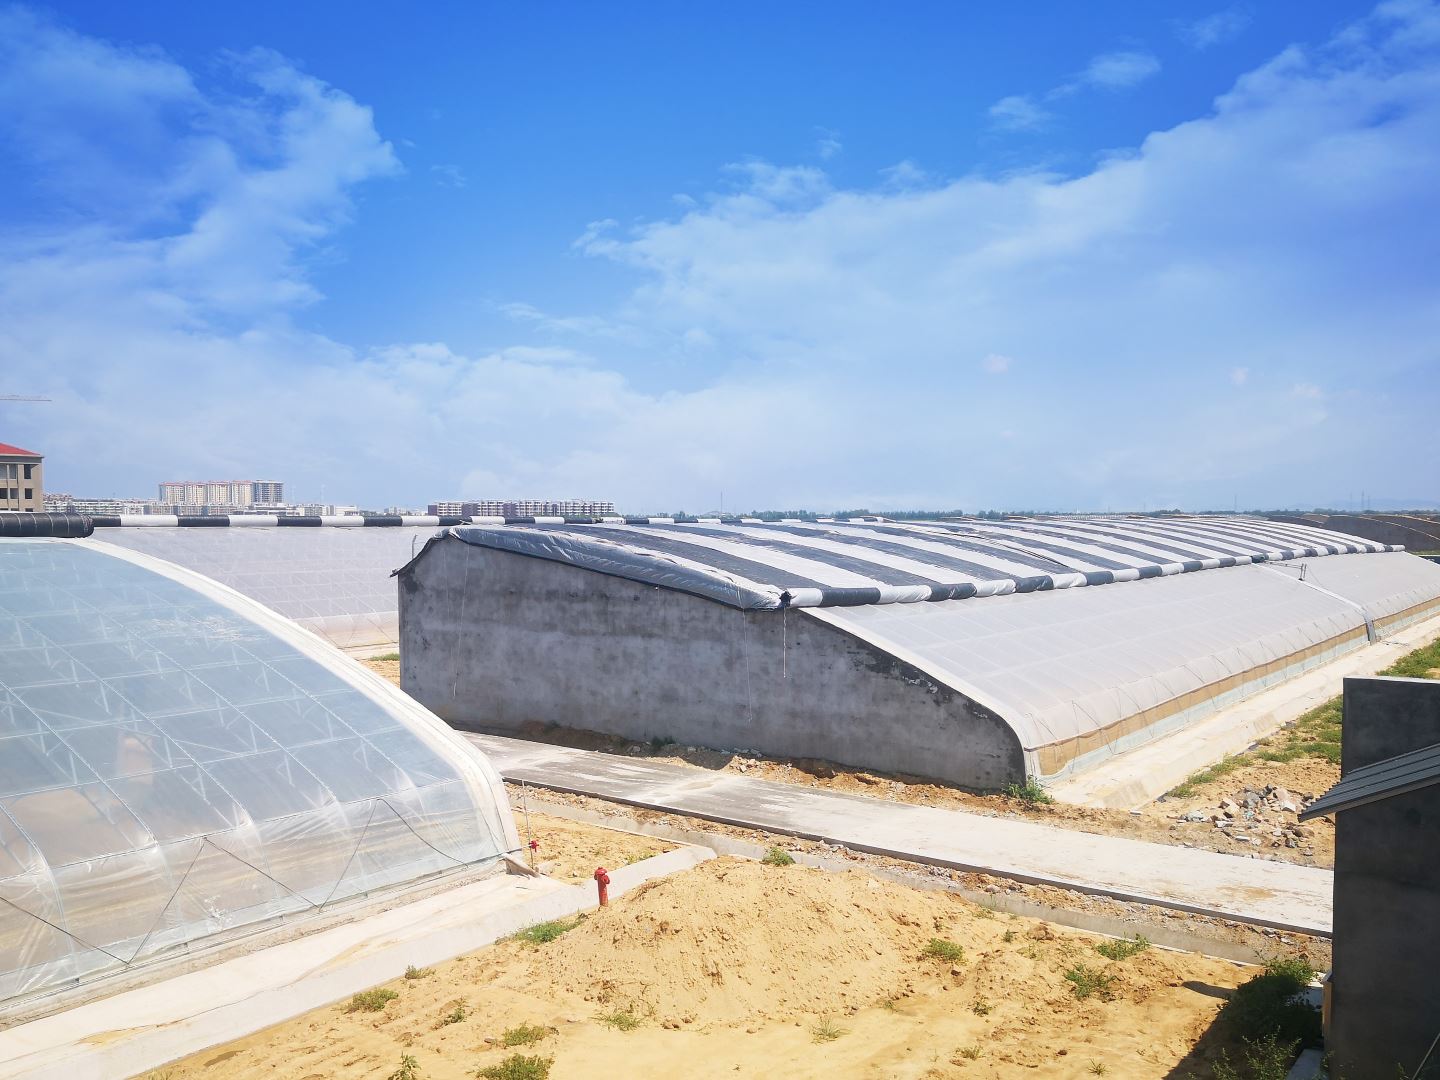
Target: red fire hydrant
(602, 885)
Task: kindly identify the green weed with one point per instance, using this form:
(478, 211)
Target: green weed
(1032, 793)
(518, 1067)
(545, 932)
(969, 1053)
(412, 972)
(1265, 1058)
(620, 1020)
(371, 1000)
(1271, 1005)
(948, 951)
(455, 1015)
(981, 1007)
(1088, 982)
(524, 1035)
(1122, 949)
(387, 656)
(409, 1069)
(778, 857)
(826, 1031)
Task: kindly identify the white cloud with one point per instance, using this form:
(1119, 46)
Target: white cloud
(995, 364)
(1305, 390)
(1240, 375)
(1214, 29)
(1019, 112)
(448, 176)
(1120, 70)
(1288, 231)
(827, 143)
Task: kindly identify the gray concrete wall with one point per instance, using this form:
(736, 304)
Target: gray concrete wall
(1385, 1008)
(492, 640)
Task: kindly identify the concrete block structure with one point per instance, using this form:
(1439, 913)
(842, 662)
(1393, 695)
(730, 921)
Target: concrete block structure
(978, 653)
(1384, 1013)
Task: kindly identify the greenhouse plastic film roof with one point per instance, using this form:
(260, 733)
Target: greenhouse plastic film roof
(335, 581)
(1190, 614)
(178, 763)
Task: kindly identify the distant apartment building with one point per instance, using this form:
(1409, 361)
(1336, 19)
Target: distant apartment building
(20, 480)
(523, 508)
(220, 496)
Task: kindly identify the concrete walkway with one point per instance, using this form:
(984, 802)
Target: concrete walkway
(1281, 895)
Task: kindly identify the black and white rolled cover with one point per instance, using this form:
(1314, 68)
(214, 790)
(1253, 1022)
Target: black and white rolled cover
(637, 557)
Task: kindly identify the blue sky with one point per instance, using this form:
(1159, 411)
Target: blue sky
(1068, 256)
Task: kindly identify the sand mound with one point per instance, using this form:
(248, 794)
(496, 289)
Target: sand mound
(739, 940)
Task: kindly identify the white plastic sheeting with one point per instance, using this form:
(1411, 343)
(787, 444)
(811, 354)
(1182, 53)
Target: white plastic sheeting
(1082, 673)
(177, 763)
(334, 581)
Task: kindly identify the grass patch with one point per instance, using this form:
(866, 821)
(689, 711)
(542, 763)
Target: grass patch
(545, 932)
(1271, 1006)
(981, 1007)
(387, 656)
(778, 857)
(1122, 949)
(1098, 1068)
(371, 1000)
(969, 1053)
(826, 1031)
(1008, 936)
(948, 951)
(1086, 982)
(518, 1067)
(1031, 793)
(1315, 734)
(455, 1015)
(409, 1069)
(620, 1020)
(412, 973)
(1417, 664)
(524, 1035)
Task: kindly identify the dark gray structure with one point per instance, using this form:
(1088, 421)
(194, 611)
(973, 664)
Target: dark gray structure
(1384, 1008)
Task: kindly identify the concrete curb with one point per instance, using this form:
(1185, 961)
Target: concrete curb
(142, 1029)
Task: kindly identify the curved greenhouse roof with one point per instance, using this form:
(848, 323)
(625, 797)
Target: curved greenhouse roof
(177, 764)
(1083, 635)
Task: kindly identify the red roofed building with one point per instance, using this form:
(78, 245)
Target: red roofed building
(20, 480)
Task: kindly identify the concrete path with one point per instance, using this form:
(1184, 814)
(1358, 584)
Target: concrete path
(137, 1030)
(1281, 895)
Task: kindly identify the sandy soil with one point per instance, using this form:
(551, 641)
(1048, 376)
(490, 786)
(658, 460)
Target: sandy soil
(1136, 918)
(570, 851)
(389, 669)
(719, 992)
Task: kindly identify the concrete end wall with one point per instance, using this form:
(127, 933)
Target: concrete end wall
(492, 640)
(1384, 1006)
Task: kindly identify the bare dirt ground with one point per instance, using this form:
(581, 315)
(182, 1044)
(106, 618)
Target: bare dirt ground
(839, 978)
(1141, 919)
(389, 669)
(570, 851)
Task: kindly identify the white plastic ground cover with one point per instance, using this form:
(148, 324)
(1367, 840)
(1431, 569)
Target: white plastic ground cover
(178, 764)
(334, 581)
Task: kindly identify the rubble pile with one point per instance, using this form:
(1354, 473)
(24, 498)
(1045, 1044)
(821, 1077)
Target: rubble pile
(1260, 818)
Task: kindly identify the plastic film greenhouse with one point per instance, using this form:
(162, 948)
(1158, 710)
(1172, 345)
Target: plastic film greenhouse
(976, 652)
(179, 765)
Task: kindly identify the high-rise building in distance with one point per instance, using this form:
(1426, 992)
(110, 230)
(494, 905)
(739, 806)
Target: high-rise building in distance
(240, 494)
(522, 508)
